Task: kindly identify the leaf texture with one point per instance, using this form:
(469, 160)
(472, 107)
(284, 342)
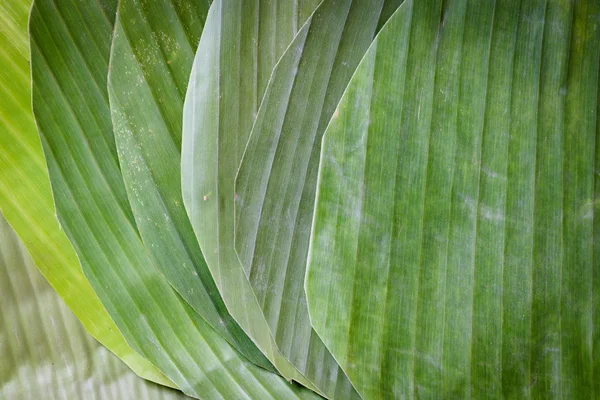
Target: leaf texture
(275, 185)
(453, 244)
(26, 197)
(45, 351)
(151, 58)
(70, 104)
(239, 47)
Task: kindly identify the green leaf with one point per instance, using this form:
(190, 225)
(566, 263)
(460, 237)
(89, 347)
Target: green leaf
(70, 54)
(45, 352)
(240, 44)
(275, 185)
(452, 251)
(26, 197)
(151, 59)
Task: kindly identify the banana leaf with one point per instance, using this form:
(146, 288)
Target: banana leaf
(70, 46)
(240, 45)
(46, 353)
(26, 197)
(151, 59)
(453, 250)
(274, 188)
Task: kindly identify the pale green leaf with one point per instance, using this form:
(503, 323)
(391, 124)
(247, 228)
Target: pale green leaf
(453, 244)
(151, 59)
(45, 352)
(239, 47)
(70, 54)
(26, 197)
(274, 192)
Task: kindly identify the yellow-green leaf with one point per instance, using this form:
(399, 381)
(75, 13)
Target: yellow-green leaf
(26, 197)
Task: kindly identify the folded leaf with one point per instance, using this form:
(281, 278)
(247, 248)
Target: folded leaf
(45, 352)
(151, 59)
(26, 197)
(452, 251)
(70, 53)
(274, 192)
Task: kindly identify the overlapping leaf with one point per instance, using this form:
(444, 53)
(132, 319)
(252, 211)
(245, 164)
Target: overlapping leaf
(26, 197)
(275, 186)
(453, 244)
(240, 45)
(151, 59)
(45, 352)
(71, 107)
(452, 252)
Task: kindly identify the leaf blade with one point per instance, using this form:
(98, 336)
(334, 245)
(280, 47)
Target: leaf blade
(233, 63)
(276, 179)
(151, 58)
(480, 309)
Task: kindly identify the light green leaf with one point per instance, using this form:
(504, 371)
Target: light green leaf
(151, 59)
(274, 192)
(70, 54)
(240, 45)
(452, 251)
(45, 352)
(26, 197)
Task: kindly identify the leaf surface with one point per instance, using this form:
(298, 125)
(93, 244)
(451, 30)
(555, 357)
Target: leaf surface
(151, 59)
(275, 185)
(70, 54)
(453, 250)
(26, 197)
(240, 45)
